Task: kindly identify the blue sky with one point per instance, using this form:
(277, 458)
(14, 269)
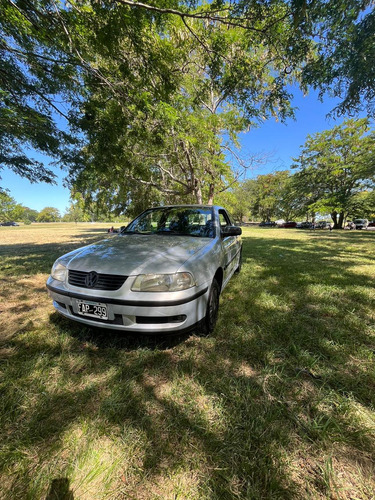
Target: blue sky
(279, 142)
(282, 141)
(39, 195)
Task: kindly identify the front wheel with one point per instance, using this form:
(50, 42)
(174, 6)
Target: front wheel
(212, 310)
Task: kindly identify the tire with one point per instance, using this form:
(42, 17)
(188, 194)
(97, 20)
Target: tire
(212, 311)
(239, 267)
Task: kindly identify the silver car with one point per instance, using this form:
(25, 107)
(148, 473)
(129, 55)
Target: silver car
(163, 273)
(360, 223)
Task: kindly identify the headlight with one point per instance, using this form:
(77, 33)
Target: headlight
(58, 271)
(163, 282)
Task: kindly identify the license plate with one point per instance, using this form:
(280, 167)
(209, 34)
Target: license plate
(92, 309)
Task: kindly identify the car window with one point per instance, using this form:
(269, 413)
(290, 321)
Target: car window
(183, 221)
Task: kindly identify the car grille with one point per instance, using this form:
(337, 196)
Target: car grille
(97, 281)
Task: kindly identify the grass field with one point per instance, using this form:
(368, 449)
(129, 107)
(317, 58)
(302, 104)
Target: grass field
(278, 403)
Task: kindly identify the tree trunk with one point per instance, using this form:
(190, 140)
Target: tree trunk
(211, 194)
(337, 221)
(198, 194)
(341, 220)
(334, 218)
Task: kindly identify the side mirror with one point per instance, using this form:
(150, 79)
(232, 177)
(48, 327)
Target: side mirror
(230, 231)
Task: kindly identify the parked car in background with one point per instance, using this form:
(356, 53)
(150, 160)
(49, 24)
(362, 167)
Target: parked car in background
(163, 273)
(360, 223)
(9, 224)
(267, 224)
(322, 224)
(371, 225)
(304, 225)
(289, 224)
(279, 222)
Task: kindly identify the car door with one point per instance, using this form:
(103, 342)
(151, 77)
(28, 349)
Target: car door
(230, 247)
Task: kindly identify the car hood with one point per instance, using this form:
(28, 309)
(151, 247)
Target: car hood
(136, 254)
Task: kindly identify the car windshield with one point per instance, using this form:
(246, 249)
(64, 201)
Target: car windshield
(180, 221)
(359, 221)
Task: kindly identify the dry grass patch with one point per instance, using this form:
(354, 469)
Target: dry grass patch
(340, 474)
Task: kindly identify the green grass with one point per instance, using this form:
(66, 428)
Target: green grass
(278, 403)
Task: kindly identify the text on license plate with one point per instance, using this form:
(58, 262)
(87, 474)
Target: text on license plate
(93, 309)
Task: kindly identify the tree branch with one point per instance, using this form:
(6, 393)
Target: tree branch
(191, 15)
(157, 186)
(169, 173)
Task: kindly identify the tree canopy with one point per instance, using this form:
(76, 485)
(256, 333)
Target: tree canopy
(267, 198)
(180, 143)
(131, 96)
(49, 214)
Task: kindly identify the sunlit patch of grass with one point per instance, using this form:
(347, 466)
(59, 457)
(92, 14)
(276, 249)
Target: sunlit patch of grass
(277, 403)
(97, 460)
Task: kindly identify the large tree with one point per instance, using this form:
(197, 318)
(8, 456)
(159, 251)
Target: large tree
(29, 215)
(49, 214)
(334, 166)
(185, 143)
(270, 196)
(111, 65)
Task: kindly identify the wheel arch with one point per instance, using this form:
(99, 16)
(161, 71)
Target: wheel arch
(219, 276)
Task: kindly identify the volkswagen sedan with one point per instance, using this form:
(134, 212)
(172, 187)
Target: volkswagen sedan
(163, 273)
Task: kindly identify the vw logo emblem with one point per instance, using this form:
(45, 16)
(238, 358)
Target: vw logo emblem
(91, 279)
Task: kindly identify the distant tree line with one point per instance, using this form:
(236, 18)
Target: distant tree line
(12, 211)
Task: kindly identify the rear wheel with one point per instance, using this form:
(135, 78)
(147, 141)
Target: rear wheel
(212, 310)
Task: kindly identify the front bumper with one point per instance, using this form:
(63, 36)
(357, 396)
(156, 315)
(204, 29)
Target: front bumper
(135, 312)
